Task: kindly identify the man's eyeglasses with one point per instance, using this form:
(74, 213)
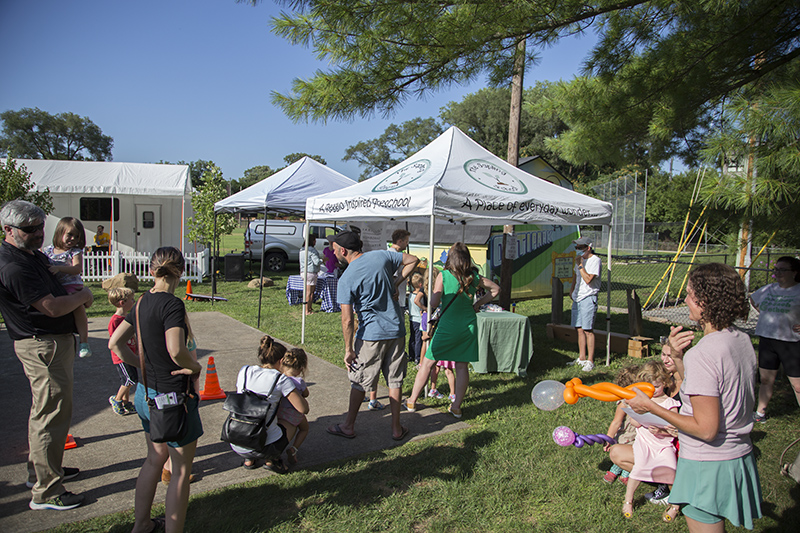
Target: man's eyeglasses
(29, 229)
(781, 269)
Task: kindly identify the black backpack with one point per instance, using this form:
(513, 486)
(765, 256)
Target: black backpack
(249, 417)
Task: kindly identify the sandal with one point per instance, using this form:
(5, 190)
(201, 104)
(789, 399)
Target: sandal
(277, 466)
(159, 524)
(291, 455)
(627, 509)
(671, 513)
(250, 464)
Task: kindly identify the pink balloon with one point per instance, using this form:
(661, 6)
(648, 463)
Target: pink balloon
(563, 436)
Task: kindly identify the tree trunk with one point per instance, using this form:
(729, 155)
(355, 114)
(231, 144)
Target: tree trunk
(515, 114)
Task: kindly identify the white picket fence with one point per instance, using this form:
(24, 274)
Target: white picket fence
(98, 266)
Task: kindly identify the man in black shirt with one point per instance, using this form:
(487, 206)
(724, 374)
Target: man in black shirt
(38, 315)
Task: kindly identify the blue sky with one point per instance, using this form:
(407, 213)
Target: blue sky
(191, 79)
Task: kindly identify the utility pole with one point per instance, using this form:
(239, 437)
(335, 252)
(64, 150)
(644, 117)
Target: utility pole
(515, 115)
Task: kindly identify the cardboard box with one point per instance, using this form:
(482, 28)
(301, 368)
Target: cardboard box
(638, 347)
(619, 341)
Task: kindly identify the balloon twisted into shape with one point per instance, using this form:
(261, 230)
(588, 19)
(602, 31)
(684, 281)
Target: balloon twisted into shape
(565, 437)
(606, 392)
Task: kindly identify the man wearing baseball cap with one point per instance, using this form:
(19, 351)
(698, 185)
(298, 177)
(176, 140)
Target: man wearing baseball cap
(368, 288)
(585, 286)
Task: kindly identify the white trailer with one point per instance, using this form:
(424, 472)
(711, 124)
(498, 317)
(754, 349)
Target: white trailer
(142, 206)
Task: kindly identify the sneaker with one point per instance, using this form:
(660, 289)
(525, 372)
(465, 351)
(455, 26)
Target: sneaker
(574, 362)
(588, 366)
(375, 405)
(452, 398)
(433, 393)
(130, 409)
(117, 406)
(660, 496)
(84, 351)
(66, 501)
(610, 477)
(69, 473)
(410, 407)
(623, 480)
(758, 417)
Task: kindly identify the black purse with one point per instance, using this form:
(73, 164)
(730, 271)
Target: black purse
(249, 417)
(170, 423)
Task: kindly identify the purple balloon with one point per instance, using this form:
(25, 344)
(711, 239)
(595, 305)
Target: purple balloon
(563, 436)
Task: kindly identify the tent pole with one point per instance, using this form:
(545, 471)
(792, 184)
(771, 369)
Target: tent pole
(608, 300)
(261, 272)
(430, 264)
(306, 296)
(213, 270)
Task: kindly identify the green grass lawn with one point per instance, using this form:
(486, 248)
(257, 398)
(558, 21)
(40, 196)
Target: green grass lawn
(504, 473)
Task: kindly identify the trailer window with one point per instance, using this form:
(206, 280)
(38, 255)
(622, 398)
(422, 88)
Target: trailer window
(98, 209)
(148, 219)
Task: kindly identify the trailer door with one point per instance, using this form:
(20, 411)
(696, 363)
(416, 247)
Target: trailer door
(148, 228)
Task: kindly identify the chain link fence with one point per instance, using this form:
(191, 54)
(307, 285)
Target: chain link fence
(660, 283)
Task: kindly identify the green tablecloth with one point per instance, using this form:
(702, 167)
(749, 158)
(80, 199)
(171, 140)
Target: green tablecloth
(505, 343)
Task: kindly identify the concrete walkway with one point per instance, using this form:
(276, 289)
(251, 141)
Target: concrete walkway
(111, 448)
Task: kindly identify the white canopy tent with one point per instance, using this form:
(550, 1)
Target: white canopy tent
(285, 191)
(167, 186)
(454, 179)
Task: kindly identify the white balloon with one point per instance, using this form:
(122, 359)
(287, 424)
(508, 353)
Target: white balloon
(548, 395)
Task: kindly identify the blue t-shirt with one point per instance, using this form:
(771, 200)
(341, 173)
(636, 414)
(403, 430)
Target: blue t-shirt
(368, 285)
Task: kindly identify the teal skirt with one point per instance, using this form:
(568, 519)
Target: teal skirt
(719, 490)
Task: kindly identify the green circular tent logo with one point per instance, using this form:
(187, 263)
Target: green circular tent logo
(403, 176)
(490, 175)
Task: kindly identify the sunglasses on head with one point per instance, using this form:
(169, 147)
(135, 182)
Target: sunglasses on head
(29, 229)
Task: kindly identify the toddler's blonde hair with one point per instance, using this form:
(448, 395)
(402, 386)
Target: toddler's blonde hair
(655, 371)
(119, 294)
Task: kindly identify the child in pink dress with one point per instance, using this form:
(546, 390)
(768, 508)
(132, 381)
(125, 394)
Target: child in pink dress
(655, 457)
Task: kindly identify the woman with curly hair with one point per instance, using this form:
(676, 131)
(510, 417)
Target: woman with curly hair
(716, 476)
(456, 337)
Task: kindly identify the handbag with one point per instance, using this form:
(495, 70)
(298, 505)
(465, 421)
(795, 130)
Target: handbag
(249, 417)
(168, 423)
(433, 321)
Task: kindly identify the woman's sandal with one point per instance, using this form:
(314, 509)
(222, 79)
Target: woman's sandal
(291, 455)
(627, 509)
(159, 524)
(671, 513)
(250, 464)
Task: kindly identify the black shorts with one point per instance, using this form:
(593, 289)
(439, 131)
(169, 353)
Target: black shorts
(128, 374)
(772, 353)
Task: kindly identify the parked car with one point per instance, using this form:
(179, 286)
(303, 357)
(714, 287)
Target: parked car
(284, 241)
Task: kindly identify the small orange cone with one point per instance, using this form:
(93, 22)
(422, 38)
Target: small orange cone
(70, 442)
(188, 290)
(211, 389)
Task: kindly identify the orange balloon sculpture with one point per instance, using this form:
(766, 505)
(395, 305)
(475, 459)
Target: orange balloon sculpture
(606, 392)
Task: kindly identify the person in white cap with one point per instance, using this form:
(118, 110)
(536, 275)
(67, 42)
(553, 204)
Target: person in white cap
(585, 286)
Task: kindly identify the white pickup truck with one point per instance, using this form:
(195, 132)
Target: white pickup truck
(284, 241)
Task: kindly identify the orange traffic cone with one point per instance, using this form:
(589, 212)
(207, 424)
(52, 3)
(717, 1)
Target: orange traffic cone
(188, 290)
(211, 389)
(70, 442)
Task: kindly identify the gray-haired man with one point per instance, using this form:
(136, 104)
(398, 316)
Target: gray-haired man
(38, 315)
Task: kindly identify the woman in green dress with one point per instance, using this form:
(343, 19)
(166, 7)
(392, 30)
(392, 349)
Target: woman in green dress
(456, 337)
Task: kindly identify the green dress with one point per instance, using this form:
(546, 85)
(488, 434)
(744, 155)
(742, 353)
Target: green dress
(456, 336)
